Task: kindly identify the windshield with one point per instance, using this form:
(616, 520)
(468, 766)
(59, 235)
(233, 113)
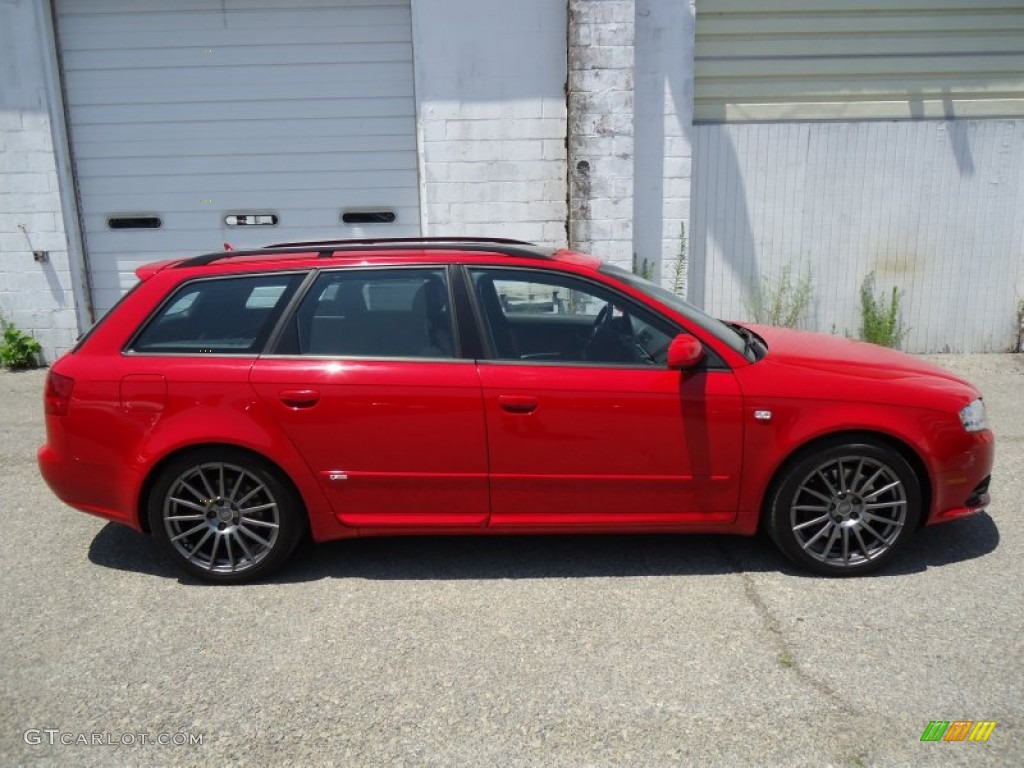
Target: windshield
(726, 334)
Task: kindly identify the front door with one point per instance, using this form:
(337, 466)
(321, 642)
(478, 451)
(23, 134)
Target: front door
(587, 427)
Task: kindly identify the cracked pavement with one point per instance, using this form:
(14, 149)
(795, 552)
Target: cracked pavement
(588, 651)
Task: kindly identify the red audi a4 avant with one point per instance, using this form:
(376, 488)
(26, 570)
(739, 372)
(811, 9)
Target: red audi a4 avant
(234, 402)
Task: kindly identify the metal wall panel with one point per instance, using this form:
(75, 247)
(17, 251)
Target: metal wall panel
(770, 60)
(195, 110)
(933, 208)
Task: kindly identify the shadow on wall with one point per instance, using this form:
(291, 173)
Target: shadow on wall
(57, 291)
(663, 66)
(725, 219)
(652, 85)
(958, 136)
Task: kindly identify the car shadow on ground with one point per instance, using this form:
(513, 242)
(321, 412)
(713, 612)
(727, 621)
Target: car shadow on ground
(536, 557)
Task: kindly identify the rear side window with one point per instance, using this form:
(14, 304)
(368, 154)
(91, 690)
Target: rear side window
(374, 313)
(227, 315)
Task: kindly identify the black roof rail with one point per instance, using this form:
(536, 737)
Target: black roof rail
(401, 240)
(328, 248)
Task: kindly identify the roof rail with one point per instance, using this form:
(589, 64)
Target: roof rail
(328, 248)
(401, 240)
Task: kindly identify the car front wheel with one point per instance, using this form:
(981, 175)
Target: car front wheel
(845, 509)
(224, 516)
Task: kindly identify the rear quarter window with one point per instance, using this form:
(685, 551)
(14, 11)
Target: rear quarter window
(224, 315)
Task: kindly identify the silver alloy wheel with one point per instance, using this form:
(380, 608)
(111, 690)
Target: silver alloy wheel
(221, 517)
(848, 510)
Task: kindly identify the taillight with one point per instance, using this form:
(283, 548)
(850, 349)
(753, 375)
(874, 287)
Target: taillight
(58, 394)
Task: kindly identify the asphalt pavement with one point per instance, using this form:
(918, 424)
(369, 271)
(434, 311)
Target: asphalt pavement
(560, 651)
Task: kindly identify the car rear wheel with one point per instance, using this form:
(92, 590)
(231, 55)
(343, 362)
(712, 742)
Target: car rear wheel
(223, 515)
(845, 509)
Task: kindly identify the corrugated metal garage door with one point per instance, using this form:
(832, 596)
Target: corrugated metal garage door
(195, 122)
(774, 60)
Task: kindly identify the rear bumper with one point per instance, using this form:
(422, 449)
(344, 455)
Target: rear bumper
(90, 488)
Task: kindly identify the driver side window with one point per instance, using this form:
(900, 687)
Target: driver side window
(543, 317)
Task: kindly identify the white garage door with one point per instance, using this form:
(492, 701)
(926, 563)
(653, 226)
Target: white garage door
(199, 122)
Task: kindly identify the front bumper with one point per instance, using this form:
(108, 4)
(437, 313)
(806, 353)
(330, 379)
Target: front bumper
(961, 487)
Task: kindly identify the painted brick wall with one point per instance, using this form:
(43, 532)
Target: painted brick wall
(37, 297)
(601, 59)
(630, 118)
(663, 137)
(490, 79)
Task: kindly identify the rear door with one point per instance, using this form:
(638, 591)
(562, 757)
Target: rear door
(366, 383)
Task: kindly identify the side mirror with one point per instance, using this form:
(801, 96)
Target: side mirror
(684, 352)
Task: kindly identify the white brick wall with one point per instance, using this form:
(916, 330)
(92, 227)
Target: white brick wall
(494, 152)
(493, 127)
(664, 119)
(36, 297)
(601, 34)
(490, 78)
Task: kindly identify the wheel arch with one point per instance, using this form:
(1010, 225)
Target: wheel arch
(154, 473)
(847, 436)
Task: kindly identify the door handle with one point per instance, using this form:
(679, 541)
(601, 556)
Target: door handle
(299, 398)
(517, 403)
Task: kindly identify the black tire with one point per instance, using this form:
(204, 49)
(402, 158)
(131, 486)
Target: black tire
(844, 508)
(225, 516)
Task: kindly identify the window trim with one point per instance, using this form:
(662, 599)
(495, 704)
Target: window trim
(473, 344)
(128, 349)
(293, 304)
(692, 314)
(712, 360)
(274, 341)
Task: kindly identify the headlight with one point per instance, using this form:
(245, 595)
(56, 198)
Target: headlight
(973, 416)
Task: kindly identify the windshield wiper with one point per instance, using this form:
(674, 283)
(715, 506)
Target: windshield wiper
(751, 342)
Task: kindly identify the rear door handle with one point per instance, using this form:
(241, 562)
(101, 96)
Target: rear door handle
(299, 398)
(517, 403)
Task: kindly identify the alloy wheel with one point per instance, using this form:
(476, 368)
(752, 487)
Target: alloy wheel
(221, 517)
(848, 511)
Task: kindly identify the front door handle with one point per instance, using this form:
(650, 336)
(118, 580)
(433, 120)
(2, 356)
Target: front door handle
(299, 398)
(517, 403)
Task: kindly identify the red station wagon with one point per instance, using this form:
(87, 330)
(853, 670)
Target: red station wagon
(234, 402)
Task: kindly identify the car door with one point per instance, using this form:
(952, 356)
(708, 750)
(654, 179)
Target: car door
(366, 383)
(590, 428)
